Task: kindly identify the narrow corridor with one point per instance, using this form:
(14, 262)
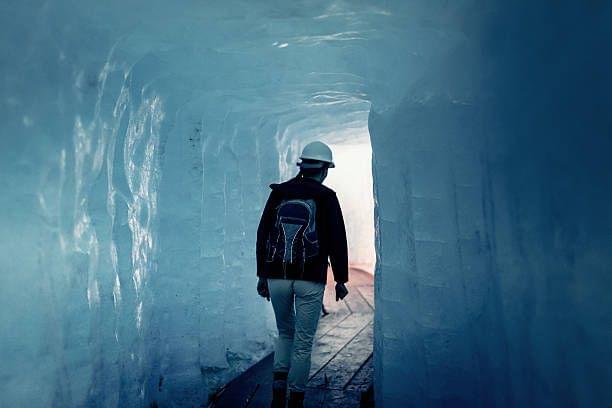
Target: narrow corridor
(341, 370)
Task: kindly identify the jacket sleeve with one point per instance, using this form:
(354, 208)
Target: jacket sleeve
(262, 233)
(338, 253)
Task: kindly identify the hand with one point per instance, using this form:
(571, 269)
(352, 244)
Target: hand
(262, 288)
(341, 291)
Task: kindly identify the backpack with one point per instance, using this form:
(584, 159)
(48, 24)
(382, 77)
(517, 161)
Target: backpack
(293, 237)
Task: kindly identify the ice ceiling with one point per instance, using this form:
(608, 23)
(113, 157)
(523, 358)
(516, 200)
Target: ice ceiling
(139, 137)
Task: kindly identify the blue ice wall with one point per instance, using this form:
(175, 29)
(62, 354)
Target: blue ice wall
(494, 263)
(138, 142)
(128, 224)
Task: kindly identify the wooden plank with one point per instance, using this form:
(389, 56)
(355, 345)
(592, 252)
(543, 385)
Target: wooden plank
(254, 385)
(326, 323)
(357, 279)
(367, 292)
(313, 398)
(342, 336)
(344, 365)
(363, 378)
(356, 302)
(328, 345)
(341, 399)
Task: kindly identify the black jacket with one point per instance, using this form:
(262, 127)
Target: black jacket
(330, 231)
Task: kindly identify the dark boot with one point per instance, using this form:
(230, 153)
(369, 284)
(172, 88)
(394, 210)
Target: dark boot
(279, 390)
(296, 399)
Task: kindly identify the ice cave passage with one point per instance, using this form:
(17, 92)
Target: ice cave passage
(138, 139)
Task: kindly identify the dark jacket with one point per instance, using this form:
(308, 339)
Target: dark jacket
(330, 231)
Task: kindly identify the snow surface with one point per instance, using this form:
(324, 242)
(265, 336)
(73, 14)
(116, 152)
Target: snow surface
(139, 137)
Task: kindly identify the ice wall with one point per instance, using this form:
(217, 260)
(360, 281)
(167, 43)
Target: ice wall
(138, 142)
(492, 179)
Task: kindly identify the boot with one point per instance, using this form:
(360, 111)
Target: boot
(279, 390)
(296, 399)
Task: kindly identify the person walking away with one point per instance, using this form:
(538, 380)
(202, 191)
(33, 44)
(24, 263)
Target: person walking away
(300, 232)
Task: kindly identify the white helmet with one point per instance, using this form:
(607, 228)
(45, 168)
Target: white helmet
(316, 151)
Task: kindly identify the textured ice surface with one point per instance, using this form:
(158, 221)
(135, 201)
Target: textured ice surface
(492, 179)
(139, 137)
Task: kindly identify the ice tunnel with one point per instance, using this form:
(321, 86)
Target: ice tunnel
(138, 139)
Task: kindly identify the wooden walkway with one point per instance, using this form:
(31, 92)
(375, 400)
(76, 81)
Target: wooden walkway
(341, 371)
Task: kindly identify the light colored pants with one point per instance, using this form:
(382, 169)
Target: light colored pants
(296, 328)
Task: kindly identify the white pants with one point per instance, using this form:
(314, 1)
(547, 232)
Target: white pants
(296, 327)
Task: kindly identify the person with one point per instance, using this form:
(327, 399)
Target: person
(301, 230)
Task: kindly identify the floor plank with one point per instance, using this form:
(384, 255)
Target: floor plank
(341, 369)
(362, 379)
(367, 293)
(331, 320)
(356, 303)
(342, 352)
(326, 347)
(250, 390)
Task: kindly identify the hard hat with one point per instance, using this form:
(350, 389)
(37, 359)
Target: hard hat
(316, 151)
